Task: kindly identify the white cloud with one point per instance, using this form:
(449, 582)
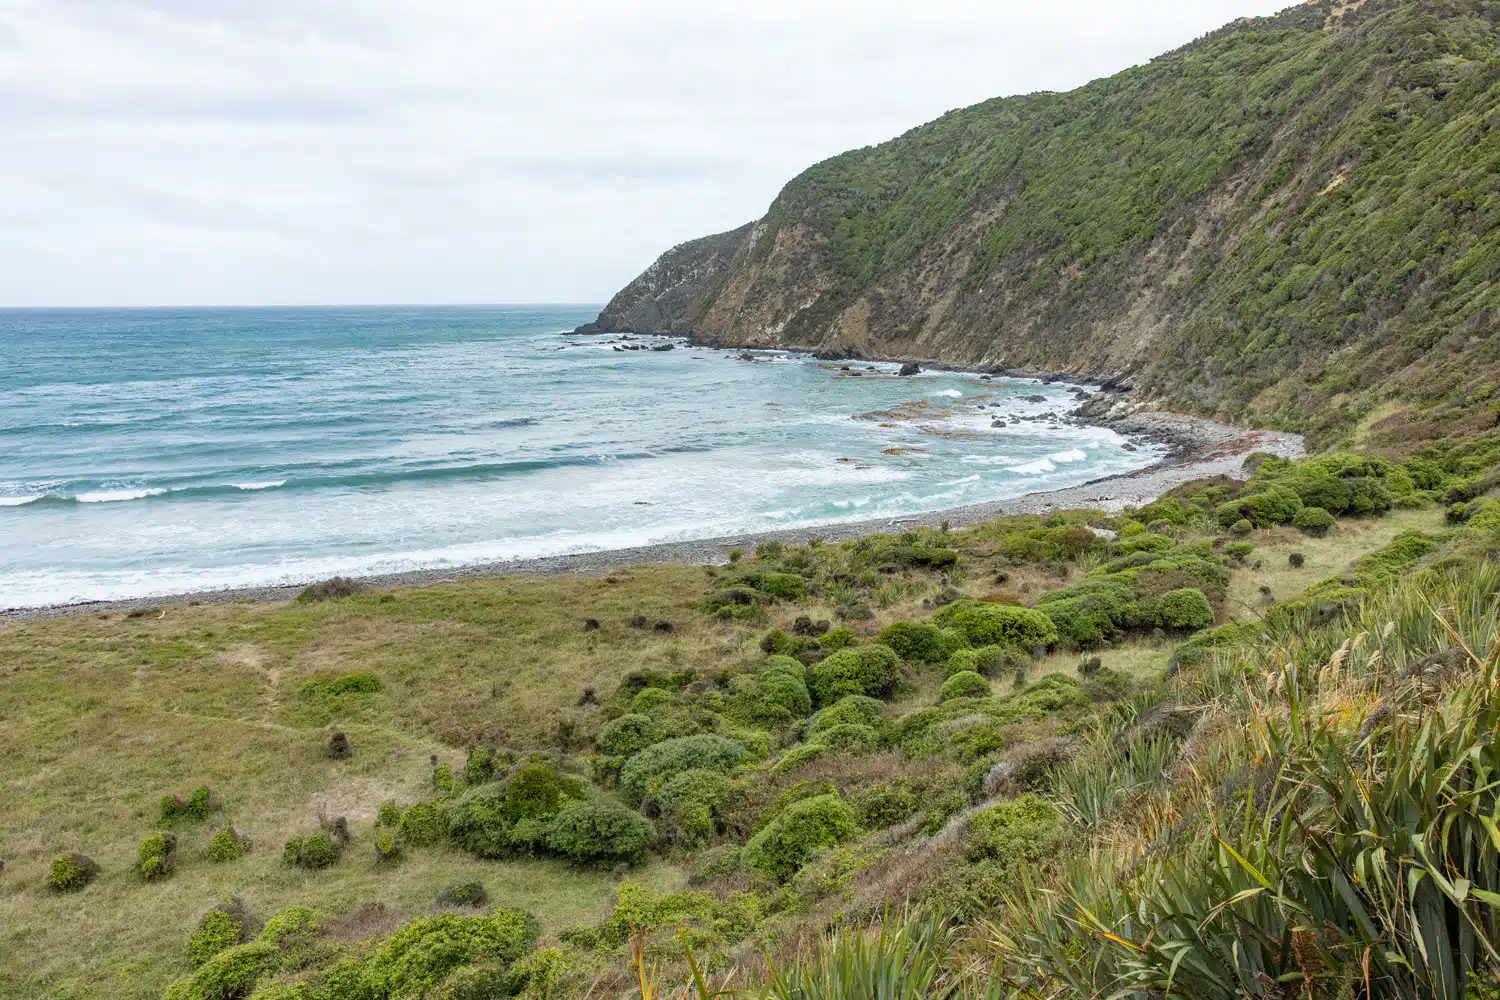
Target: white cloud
(272, 151)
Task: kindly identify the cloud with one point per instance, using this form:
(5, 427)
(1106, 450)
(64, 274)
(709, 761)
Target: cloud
(189, 151)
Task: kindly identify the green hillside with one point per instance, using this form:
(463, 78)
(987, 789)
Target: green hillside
(1294, 221)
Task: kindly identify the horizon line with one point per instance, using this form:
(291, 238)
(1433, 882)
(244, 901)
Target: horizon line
(311, 305)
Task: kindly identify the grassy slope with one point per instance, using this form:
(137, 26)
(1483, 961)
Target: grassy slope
(104, 714)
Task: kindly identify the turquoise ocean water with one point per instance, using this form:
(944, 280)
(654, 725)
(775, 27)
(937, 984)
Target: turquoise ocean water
(160, 451)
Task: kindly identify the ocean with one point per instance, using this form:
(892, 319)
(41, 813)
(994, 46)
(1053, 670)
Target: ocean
(160, 451)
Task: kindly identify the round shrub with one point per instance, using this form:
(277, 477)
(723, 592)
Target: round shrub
(478, 821)
(387, 848)
(426, 950)
(964, 684)
(532, 793)
(853, 708)
(627, 735)
(991, 661)
(645, 773)
(155, 858)
(600, 831)
(921, 642)
(1003, 625)
(1020, 830)
(1242, 527)
(422, 824)
(691, 804)
(314, 852)
(839, 638)
(1296, 560)
(885, 805)
(71, 872)
(787, 586)
(651, 698)
(788, 665)
(802, 829)
(228, 844)
(464, 892)
(1314, 521)
(230, 973)
(1183, 609)
(849, 737)
(195, 808)
(797, 756)
(868, 670)
(223, 927)
(715, 863)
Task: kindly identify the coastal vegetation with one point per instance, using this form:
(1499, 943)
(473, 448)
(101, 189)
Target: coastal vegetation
(1135, 752)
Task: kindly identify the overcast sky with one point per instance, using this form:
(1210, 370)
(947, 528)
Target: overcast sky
(370, 151)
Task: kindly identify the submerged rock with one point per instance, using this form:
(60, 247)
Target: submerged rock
(910, 368)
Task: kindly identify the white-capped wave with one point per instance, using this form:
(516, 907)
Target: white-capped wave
(1036, 468)
(1071, 455)
(111, 496)
(952, 393)
(19, 501)
(987, 460)
(269, 484)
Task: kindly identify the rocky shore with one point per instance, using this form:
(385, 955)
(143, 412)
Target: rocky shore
(1199, 448)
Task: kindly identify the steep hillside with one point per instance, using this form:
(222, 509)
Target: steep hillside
(1292, 220)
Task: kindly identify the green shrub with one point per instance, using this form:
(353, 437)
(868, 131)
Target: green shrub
(1314, 521)
(600, 831)
(1141, 543)
(479, 768)
(1238, 551)
(362, 683)
(787, 586)
(801, 830)
(1020, 830)
(964, 684)
(313, 852)
(423, 952)
(797, 756)
(1242, 527)
(1003, 625)
(849, 737)
(627, 735)
(921, 642)
(716, 862)
(1385, 565)
(645, 773)
(194, 809)
(692, 805)
(885, 805)
(774, 697)
(156, 856)
(1180, 610)
(228, 844)
(221, 928)
(478, 821)
(854, 708)
(464, 892)
(839, 638)
(71, 872)
(868, 670)
(422, 824)
(532, 793)
(991, 661)
(229, 975)
(650, 698)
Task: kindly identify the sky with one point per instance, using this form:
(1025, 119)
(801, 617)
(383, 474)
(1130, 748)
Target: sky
(280, 152)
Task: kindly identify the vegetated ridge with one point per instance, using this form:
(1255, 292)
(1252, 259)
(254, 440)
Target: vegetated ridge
(1294, 221)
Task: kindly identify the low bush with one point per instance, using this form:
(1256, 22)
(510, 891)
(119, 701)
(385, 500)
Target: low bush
(334, 589)
(422, 824)
(221, 928)
(991, 661)
(786, 586)
(322, 687)
(156, 856)
(627, 734)
(319, 850)
(857, 709)
(1015, 832)
(850, 737)
(885, 805)
(227, 844)
(921, 642)
(714, 863)
(1275, 505)
(801, 830)
(839, 638)
(1314, 521)
(464, 892)
(797, 756)
(692, 805)
(1178, 610)
(650, 698)
(423, 952)
(71, 872)
(198, 806)
(648, 770)
(600, 832)
(867, 670)
(1002, 625)
(228, 975)
(964, 684)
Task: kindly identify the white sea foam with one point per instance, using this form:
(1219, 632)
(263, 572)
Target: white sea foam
(951, 393)
(112, 496)
(1036, 468)
(987, 460)
(18, 501)
(269, 484)
(1071, 455)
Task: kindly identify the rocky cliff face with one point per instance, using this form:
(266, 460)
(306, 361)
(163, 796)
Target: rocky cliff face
(1294, 220)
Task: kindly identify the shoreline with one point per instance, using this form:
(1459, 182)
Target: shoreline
(1200, 448)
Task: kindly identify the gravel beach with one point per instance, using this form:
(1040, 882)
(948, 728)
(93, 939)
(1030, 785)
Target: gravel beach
(1200, 448)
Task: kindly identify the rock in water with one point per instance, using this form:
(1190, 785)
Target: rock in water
(908, 369)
